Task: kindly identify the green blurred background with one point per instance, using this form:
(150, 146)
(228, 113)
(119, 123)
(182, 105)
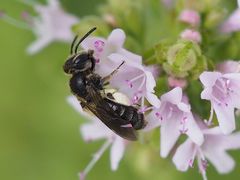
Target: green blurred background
(39, 131)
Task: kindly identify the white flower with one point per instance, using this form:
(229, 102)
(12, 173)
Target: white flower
(214, 149)
(175, 118)
(52, 24)
(222, 90)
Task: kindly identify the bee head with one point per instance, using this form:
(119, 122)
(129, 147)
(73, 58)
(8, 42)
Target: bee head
(79, 62)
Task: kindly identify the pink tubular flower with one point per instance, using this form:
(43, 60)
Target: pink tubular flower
(175, 118)
(214, 149)
(132, 79)
(96, 130)
(232, 24)
(52, 24)
(229, 67)
(191, 35)
(222, 90)
(190, 17)
(103, 48)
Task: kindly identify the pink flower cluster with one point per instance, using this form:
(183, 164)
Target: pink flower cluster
(135, 83)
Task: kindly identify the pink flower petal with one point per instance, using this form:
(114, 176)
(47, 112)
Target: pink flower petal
(116, 38)
(169, 134)
(152, 121)
(209, 78)
(232, 23)
(207, 93)
(184, 107)
(153, 99)
(72, 100)
(134, 57)
(88, 43)
(38, 45)
(116, 152)
(174, 96)
(225, 116)
(220, 159)
(229, 66)
(94, 131)
(232, 76)
(194, 132)
(231, 141)
(185, 155)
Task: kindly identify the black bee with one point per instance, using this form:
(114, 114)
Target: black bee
(88, 87)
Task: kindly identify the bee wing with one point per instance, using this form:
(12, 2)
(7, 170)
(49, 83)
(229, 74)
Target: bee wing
(100, 109)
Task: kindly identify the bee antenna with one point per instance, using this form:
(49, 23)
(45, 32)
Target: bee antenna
(82, 39)
(73, 42)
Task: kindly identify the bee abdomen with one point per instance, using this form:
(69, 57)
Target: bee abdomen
(128, 113)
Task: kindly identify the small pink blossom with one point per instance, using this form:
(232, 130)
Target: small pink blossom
(52, 24)
(190, 17)
(191, 35)
(232, 24)
(175, 118)
(175, 82)
(229, 67)
(222, 90)
(213, 149)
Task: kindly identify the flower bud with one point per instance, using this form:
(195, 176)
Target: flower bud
(184, 58)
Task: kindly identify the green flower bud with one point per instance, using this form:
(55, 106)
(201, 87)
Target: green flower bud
(183, 59)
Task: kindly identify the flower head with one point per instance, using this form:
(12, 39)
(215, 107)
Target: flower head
(213, 149)
(175, 118)
(222, 90)
(52, 24)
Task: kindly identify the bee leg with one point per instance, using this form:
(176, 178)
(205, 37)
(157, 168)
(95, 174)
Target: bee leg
(107, 78)
(83, 105)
